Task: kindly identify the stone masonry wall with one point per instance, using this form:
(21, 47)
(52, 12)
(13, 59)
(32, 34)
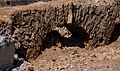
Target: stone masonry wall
(31, 26)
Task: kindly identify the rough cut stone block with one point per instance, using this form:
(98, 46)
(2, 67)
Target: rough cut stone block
(7, 50)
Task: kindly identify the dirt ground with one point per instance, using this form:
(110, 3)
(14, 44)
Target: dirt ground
(58, 58)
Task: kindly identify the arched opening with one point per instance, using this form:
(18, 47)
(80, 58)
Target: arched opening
(76, 39)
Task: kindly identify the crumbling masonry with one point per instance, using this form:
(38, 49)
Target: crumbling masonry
(30, 24)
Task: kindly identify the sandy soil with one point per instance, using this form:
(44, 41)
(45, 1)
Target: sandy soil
(58, 58)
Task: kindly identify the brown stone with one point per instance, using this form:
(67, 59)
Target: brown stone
(94, 21)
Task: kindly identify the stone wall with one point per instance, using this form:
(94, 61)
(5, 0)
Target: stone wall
(4, 3)
(31, 25)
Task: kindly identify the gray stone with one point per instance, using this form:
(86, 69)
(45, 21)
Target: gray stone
(7, 50)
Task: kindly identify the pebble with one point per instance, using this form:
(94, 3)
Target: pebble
(14, 69)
